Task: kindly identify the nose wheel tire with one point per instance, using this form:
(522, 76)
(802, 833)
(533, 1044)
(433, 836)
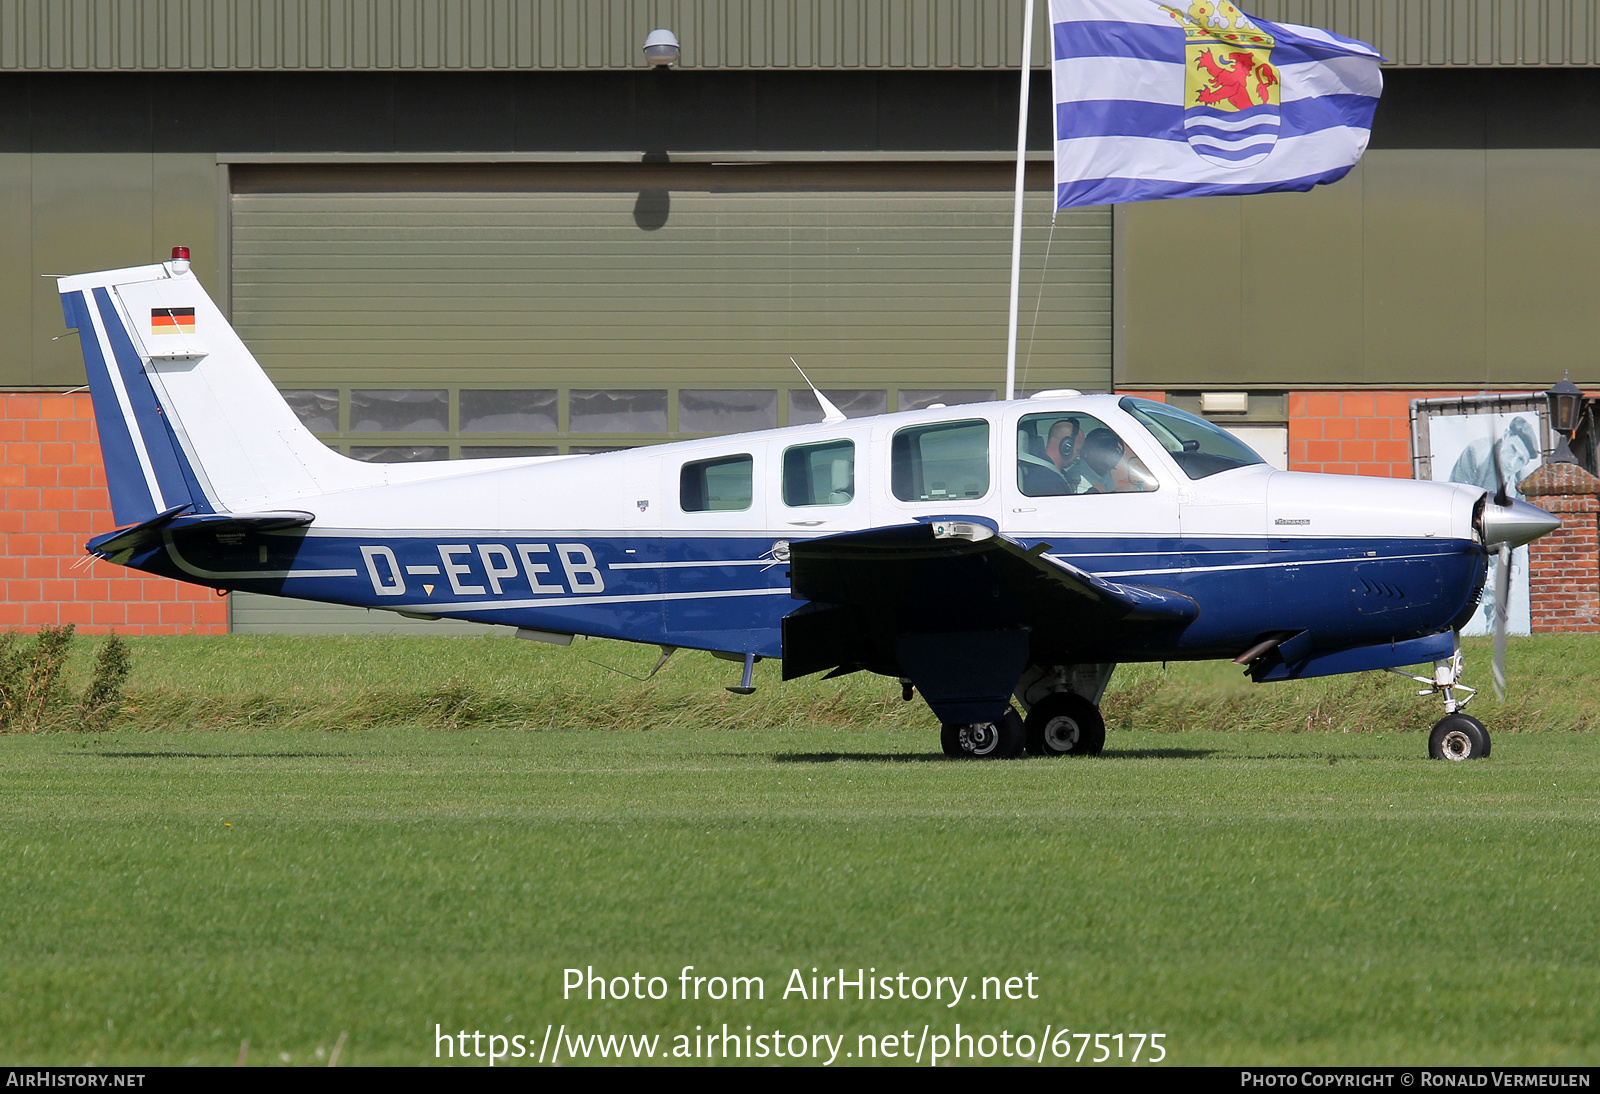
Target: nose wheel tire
(1000, 740)
(1458, 737)
(1065, 724)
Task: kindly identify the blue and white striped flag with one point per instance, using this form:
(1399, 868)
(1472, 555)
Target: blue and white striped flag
(1158, 101)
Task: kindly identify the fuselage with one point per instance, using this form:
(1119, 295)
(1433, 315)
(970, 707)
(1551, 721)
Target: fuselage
(684, 544)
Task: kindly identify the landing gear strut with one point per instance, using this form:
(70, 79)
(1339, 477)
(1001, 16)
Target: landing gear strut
(1456, 736)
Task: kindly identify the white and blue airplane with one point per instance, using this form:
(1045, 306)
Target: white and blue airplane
(983, 555)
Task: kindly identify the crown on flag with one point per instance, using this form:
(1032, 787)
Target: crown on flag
(1211, 21)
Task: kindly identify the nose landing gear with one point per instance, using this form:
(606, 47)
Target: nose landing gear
(1456, 736)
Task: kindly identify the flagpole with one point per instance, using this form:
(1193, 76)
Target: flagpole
(1016, 218)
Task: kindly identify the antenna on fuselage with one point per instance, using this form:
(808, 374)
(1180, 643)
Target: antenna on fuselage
(830, 413)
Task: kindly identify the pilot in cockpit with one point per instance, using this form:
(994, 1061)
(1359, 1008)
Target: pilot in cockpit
(1061, 447)
(1042, 474)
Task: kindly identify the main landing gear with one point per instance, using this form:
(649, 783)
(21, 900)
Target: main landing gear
(1456, 736)
(1002, 740)
(1063, 718)
(1062, 724)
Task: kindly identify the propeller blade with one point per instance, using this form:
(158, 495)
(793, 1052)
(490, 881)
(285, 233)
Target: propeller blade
(1500, 497)
(1502, 612)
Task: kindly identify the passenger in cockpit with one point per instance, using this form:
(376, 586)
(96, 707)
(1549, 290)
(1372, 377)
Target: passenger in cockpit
(1098, 454)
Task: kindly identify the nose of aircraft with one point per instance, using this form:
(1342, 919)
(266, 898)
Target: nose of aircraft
(1515, 523)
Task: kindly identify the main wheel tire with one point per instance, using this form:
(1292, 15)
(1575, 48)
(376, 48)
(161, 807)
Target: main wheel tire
(1000, 740)
(1064, 723)
(1458, 737)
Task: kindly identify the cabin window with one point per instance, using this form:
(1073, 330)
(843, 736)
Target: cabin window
(1198, 448)
(1062, 454)
(722, 485)
(944, 462)
(820, 474)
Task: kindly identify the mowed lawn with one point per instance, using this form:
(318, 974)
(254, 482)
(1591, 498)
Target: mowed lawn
(1258, 897)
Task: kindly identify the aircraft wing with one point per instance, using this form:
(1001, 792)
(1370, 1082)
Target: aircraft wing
(868, 590)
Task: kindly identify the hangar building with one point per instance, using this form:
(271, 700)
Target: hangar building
(458, 228)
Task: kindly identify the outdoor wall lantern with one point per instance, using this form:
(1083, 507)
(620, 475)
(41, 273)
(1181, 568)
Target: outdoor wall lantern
(661, 48)
(1566, 402)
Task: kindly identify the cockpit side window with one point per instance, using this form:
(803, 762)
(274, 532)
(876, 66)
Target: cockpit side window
(722, 485)
(942, 462)
(1199, 448)
(819, 474)
(1065, 454)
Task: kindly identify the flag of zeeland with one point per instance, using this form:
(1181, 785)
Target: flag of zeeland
(1159, 101)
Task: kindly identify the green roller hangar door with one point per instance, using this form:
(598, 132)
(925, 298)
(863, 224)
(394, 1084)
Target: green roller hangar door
(448, 311)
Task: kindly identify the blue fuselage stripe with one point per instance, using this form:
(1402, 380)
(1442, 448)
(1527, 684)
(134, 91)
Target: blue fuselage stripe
(703, 592)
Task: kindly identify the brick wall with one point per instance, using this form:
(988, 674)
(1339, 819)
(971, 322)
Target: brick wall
(1564, 569)
(55, 500)
(1564, 566)
(1352, 432)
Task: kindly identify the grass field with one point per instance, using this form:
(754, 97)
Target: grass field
(291, 839)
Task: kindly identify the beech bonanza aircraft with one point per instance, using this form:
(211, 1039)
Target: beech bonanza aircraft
(978, 554)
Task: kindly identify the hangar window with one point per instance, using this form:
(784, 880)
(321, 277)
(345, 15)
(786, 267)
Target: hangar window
(400, 410)
(507, 411)
(920, 399)
(615, 411)
(317, 408)
(1199, 448)
(943, 462)
(805, 410)
(726, 411)
(501, 451)
(820, 474)
(399, 453)
(721, 485)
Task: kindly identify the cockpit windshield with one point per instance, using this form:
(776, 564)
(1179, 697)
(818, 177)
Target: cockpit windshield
(1199, 448)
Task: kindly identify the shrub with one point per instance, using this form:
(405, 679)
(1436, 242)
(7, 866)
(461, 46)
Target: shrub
(102, 699)
(30, 682)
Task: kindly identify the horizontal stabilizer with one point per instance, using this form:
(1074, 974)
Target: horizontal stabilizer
(123, 544)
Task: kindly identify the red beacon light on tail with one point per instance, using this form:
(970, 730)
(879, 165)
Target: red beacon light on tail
(180, 260)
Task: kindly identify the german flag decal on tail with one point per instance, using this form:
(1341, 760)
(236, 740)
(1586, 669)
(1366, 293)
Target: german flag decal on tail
(171, 320)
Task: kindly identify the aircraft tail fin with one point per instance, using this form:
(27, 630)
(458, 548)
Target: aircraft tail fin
(186, 416)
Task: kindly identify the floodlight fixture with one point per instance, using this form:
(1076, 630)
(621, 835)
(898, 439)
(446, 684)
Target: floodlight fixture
(661, 48)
